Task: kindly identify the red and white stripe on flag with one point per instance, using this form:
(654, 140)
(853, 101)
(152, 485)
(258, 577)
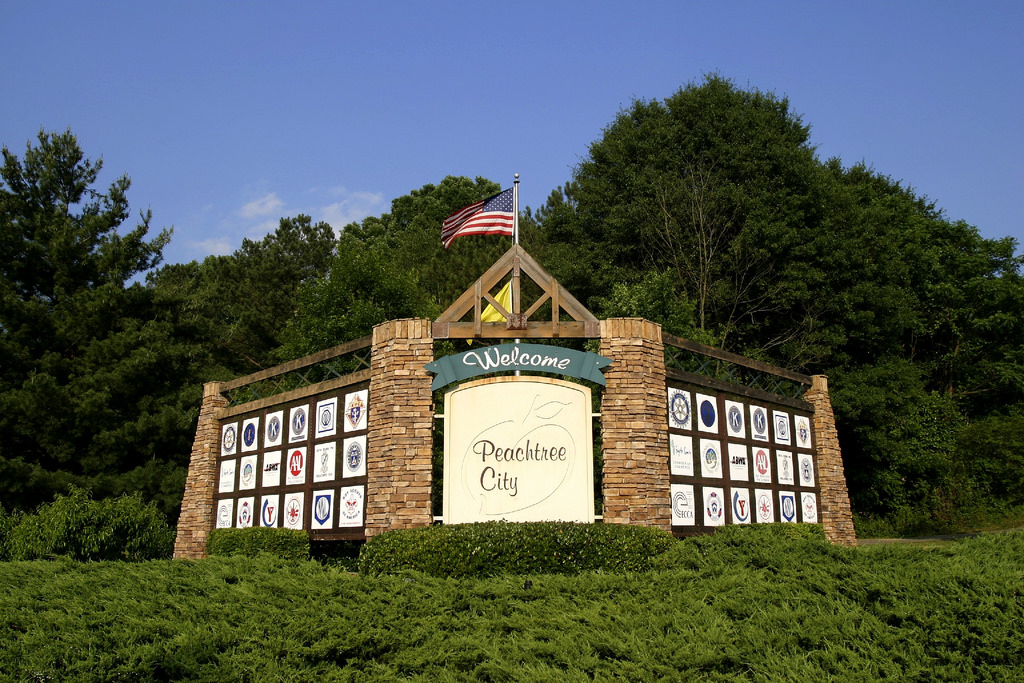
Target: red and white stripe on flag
(491, 216)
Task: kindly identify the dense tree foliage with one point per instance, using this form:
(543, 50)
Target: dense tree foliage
(91, 374)
(708, 212)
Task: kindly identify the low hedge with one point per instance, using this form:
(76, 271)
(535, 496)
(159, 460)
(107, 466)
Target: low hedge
(496, 548)
(287, 544)
(80, 528)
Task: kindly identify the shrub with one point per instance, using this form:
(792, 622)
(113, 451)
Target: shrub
(496, 548)
(7, 523)
(287, 544)
(78, 527)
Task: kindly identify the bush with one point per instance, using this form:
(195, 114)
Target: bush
(287, 544)
(7, 523)
(78, 527)
(496, 548)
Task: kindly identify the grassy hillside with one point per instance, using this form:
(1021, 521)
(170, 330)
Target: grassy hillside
(751, 604)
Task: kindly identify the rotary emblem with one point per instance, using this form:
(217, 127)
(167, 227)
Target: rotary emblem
(679, 409)
(229, 438)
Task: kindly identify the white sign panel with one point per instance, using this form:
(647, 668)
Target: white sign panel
(327, 418)
(354, 457)
(684, 510)
(681, 454)
(518, 449)
(324, 457)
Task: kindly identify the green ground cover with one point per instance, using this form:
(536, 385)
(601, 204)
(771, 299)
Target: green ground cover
(748, 604)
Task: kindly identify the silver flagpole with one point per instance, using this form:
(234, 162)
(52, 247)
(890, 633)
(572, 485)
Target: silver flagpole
(515, 210)
(515, 235)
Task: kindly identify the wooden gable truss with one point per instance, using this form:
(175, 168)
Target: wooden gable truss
(518, 323)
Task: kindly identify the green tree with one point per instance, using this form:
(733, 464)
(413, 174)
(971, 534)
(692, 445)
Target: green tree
(240, 304)
(91, 374)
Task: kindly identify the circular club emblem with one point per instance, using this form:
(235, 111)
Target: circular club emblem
(299, 421)
(760, 422)
(322, 509)
(680, 409)
(782, 427)
(269, 516)
(295, 463)
(810, 509)
(293, 514)
(805, 469)
(249, 435)
(274, 428)
(707, 413)
(740, 507)
(248, 472)
(761, 461)
(244, 514)
(354, 455)
(735, 419)
(788, 508)
(679, 503)
(354, 412)
(764, 508)
(229, 438)
(713, 506)
(711, 458)
(350, 505)
(326, 418)
(224, 515)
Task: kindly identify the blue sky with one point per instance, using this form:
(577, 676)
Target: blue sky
(229, 115)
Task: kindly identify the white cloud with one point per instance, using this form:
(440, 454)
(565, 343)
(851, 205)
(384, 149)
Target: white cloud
(353, 207)
(268, 204)
(214, 246)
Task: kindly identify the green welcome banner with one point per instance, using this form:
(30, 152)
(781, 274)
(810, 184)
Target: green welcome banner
(524, 357)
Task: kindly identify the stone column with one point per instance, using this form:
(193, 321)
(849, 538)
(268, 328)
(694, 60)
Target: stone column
(197, 511)
(400, 444)
(836, 517)
(634, 425)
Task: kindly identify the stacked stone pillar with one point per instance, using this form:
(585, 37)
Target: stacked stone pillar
(400, 442)
(197, 507)
(836, 516)
(634, 428)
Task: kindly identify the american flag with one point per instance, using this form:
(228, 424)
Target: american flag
(492, 216)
